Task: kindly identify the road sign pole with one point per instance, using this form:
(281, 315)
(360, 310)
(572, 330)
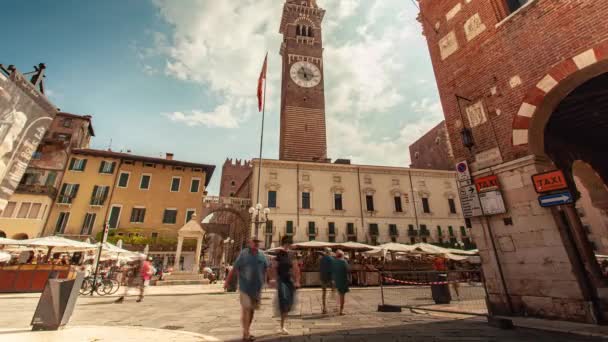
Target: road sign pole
(104, 237)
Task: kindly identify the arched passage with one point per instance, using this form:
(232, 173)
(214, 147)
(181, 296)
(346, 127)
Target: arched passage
(565, 118)
(228, 230)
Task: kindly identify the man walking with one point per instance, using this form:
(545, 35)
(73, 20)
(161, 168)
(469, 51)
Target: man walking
(325, 269)
(251, 266)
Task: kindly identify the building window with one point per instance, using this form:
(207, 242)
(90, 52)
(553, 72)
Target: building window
(467, 223)
(87, 224)
(50, 178)
(175, 183)
(451, 230)
(78, 164)
(369, 201)
(424, 232)
(233, 183)
(514, 5)
(123, 180)
(189, 214)
(398, 204)
(439, 232)
(144, 184)
(195, 185)
(412, 240)
(107, 167)
(34, 211)
(463, 231)
(373, 229)
(100, 194)
(170, 216)
(24, 209)
(272, 199)
(68, 193)
(306, 200)
(138, 215)
(350, 229)
(67, 123)
(289, 228)
(312, 230)
(9, 210)
(154, 236)
(114, 218)
(452, 205)
(425, 205)
(62, 222)
(392, 230)
(331, 231)
(37, 155)
(338, 201)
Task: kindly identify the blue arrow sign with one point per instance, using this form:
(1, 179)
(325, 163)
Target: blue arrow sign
(552, 200)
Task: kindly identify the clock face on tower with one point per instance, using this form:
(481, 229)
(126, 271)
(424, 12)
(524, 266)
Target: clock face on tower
(305, 74)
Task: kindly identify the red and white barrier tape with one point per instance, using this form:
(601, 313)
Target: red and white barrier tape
(414, 282)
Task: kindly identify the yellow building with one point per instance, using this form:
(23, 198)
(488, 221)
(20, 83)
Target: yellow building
(134, 195)
(28, 208)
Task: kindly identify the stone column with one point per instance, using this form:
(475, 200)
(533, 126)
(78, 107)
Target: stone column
(178, 253)
(197, 256)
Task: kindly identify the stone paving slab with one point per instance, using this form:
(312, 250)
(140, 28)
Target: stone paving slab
(218, 316)
(102, 334)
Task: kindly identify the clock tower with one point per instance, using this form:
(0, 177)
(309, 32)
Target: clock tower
(303, 136)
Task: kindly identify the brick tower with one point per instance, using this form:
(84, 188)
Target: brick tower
(303, 136)
(234, 174)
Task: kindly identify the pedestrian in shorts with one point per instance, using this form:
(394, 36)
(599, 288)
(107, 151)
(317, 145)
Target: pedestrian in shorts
(325, 268)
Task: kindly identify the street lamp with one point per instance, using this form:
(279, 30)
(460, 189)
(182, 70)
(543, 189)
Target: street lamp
(259, 215)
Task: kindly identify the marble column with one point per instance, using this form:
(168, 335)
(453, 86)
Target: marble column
(197, 256)
(178, 253)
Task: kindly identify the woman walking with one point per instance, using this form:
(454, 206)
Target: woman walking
(287, 277)
(340, 274)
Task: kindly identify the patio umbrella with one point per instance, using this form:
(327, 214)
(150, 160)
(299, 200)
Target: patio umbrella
(5, 257)
(355, 246)
(313, 245)
(59, 243)
(5, 241)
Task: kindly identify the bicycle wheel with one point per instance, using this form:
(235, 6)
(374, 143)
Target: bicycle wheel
(86, 287)
(115, 287)
(104, 287)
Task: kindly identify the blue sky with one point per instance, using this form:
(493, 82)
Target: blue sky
(180, 76)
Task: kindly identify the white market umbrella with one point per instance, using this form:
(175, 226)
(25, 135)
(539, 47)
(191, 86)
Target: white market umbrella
(5, 241)
(313, 245)
(59, 243)
(355, 246)
(396, 247)
(5, 257)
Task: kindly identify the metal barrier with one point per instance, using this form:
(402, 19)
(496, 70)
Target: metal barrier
(460, 292)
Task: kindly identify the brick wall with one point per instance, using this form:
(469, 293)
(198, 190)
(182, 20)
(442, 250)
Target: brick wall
(433, 150)
(234, 173)
(498, 59)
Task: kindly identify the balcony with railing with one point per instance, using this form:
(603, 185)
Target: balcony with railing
(393, 231)
(37, 189)
(65, 199)
(412, 232)
(98, 200)
(425, 233)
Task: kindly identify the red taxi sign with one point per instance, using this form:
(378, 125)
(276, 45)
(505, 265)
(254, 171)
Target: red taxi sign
(549, 181)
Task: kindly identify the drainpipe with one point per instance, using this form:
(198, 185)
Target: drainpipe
(111, 196)
(360, 200)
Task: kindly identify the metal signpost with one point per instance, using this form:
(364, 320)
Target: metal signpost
(469, 199)
(104, 238)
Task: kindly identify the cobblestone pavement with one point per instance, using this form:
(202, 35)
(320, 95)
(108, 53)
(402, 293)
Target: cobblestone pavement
(218, 315)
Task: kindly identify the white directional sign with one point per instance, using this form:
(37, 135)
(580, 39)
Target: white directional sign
(492, 202)
(469, 200)
(555, 199)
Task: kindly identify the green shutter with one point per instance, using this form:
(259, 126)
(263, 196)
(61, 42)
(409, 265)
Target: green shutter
(84, 165)
(101, 166)
(72, 161)
(113, 167)
(93, 195)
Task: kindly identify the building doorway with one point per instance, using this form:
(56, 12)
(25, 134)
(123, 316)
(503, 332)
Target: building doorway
(575, 140)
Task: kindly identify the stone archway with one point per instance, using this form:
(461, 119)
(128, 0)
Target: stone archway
(540, 101)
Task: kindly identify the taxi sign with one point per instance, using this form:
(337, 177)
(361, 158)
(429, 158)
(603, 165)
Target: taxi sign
(549, 181)
(489, 183)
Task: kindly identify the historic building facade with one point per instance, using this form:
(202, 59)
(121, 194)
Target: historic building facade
(523, 88)
(371, 204)
(28, 209)
(134, 195)
(433, 150)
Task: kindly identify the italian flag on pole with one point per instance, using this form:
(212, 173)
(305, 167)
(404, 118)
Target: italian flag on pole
(261, 82)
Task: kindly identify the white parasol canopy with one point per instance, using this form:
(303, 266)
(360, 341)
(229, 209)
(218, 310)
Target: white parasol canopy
(58, 243)
(313, 245)
(355, 246)
(5, 241)
(5, 257)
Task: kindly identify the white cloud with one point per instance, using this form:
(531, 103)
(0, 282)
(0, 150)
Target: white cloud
(370, 70)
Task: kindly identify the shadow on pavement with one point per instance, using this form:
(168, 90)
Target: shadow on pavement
(456, 330)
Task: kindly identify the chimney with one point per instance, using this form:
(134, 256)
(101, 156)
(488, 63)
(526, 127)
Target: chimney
(169, 156)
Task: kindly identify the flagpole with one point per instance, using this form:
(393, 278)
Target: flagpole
(261, 140)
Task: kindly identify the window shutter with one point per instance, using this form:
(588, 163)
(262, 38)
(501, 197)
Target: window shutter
(72, 161)
(101, 165)
(84, 164)
(94, 193)
(106, 192)
(113, 167)
(75, 190)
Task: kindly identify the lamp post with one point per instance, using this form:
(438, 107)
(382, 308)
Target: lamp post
(259, 215)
